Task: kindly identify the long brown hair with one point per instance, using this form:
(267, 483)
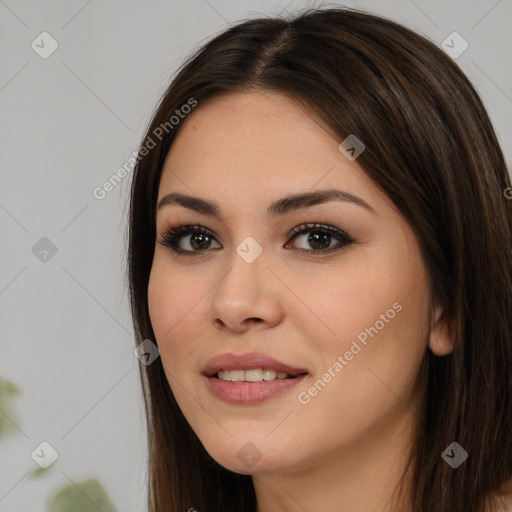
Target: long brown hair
(431, 147)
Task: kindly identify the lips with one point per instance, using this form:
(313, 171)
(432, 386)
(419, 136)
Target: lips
(249, 361)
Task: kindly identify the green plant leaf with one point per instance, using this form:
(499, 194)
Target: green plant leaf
(7, 417)
(86, 496)
(39, 471)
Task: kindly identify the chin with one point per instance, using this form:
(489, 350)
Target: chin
(249, 457)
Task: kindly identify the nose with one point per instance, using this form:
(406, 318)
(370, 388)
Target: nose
(248, 295)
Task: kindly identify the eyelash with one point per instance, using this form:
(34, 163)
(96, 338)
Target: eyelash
(172, 235)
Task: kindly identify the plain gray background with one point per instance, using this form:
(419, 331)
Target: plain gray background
(67, 123)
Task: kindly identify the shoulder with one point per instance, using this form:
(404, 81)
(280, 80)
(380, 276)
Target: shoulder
(502, 501)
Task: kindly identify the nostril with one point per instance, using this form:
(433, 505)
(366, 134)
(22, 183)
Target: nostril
(217, 324)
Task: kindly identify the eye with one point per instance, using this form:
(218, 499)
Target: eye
(198, 238)
(188, 240)
(320, 237)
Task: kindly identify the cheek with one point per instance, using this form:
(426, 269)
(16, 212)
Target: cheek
(176, 301)
(170, 305)
(347, 302)
(377, 316)
(378, 328)
(170, 296)
(160, 302)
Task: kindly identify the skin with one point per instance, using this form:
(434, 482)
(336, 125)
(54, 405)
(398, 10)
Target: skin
(346, 448)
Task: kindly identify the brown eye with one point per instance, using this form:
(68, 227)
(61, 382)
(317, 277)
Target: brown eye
(197, 237)
(320, 237)
(190, 240)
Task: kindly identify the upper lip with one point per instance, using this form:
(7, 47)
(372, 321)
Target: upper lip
(249, 361)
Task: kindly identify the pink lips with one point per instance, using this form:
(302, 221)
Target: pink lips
(250, 392)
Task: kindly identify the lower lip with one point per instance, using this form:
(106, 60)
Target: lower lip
(251, 392)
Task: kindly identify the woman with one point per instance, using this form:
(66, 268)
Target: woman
(320, 246)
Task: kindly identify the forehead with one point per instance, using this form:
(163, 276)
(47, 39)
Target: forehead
(255, 125)
(255, 145)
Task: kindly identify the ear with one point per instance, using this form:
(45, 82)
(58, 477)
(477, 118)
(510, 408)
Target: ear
(441, 340)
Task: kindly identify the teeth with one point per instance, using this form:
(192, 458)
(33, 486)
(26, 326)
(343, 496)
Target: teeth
(236, 375)
(253, 375)
(269, 374)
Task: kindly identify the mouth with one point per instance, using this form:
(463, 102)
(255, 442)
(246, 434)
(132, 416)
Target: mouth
(250, 378)
(254, 375)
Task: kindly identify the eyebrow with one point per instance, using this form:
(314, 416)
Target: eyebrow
(277, 208)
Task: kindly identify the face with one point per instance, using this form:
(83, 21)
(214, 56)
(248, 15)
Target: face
(337, 290)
